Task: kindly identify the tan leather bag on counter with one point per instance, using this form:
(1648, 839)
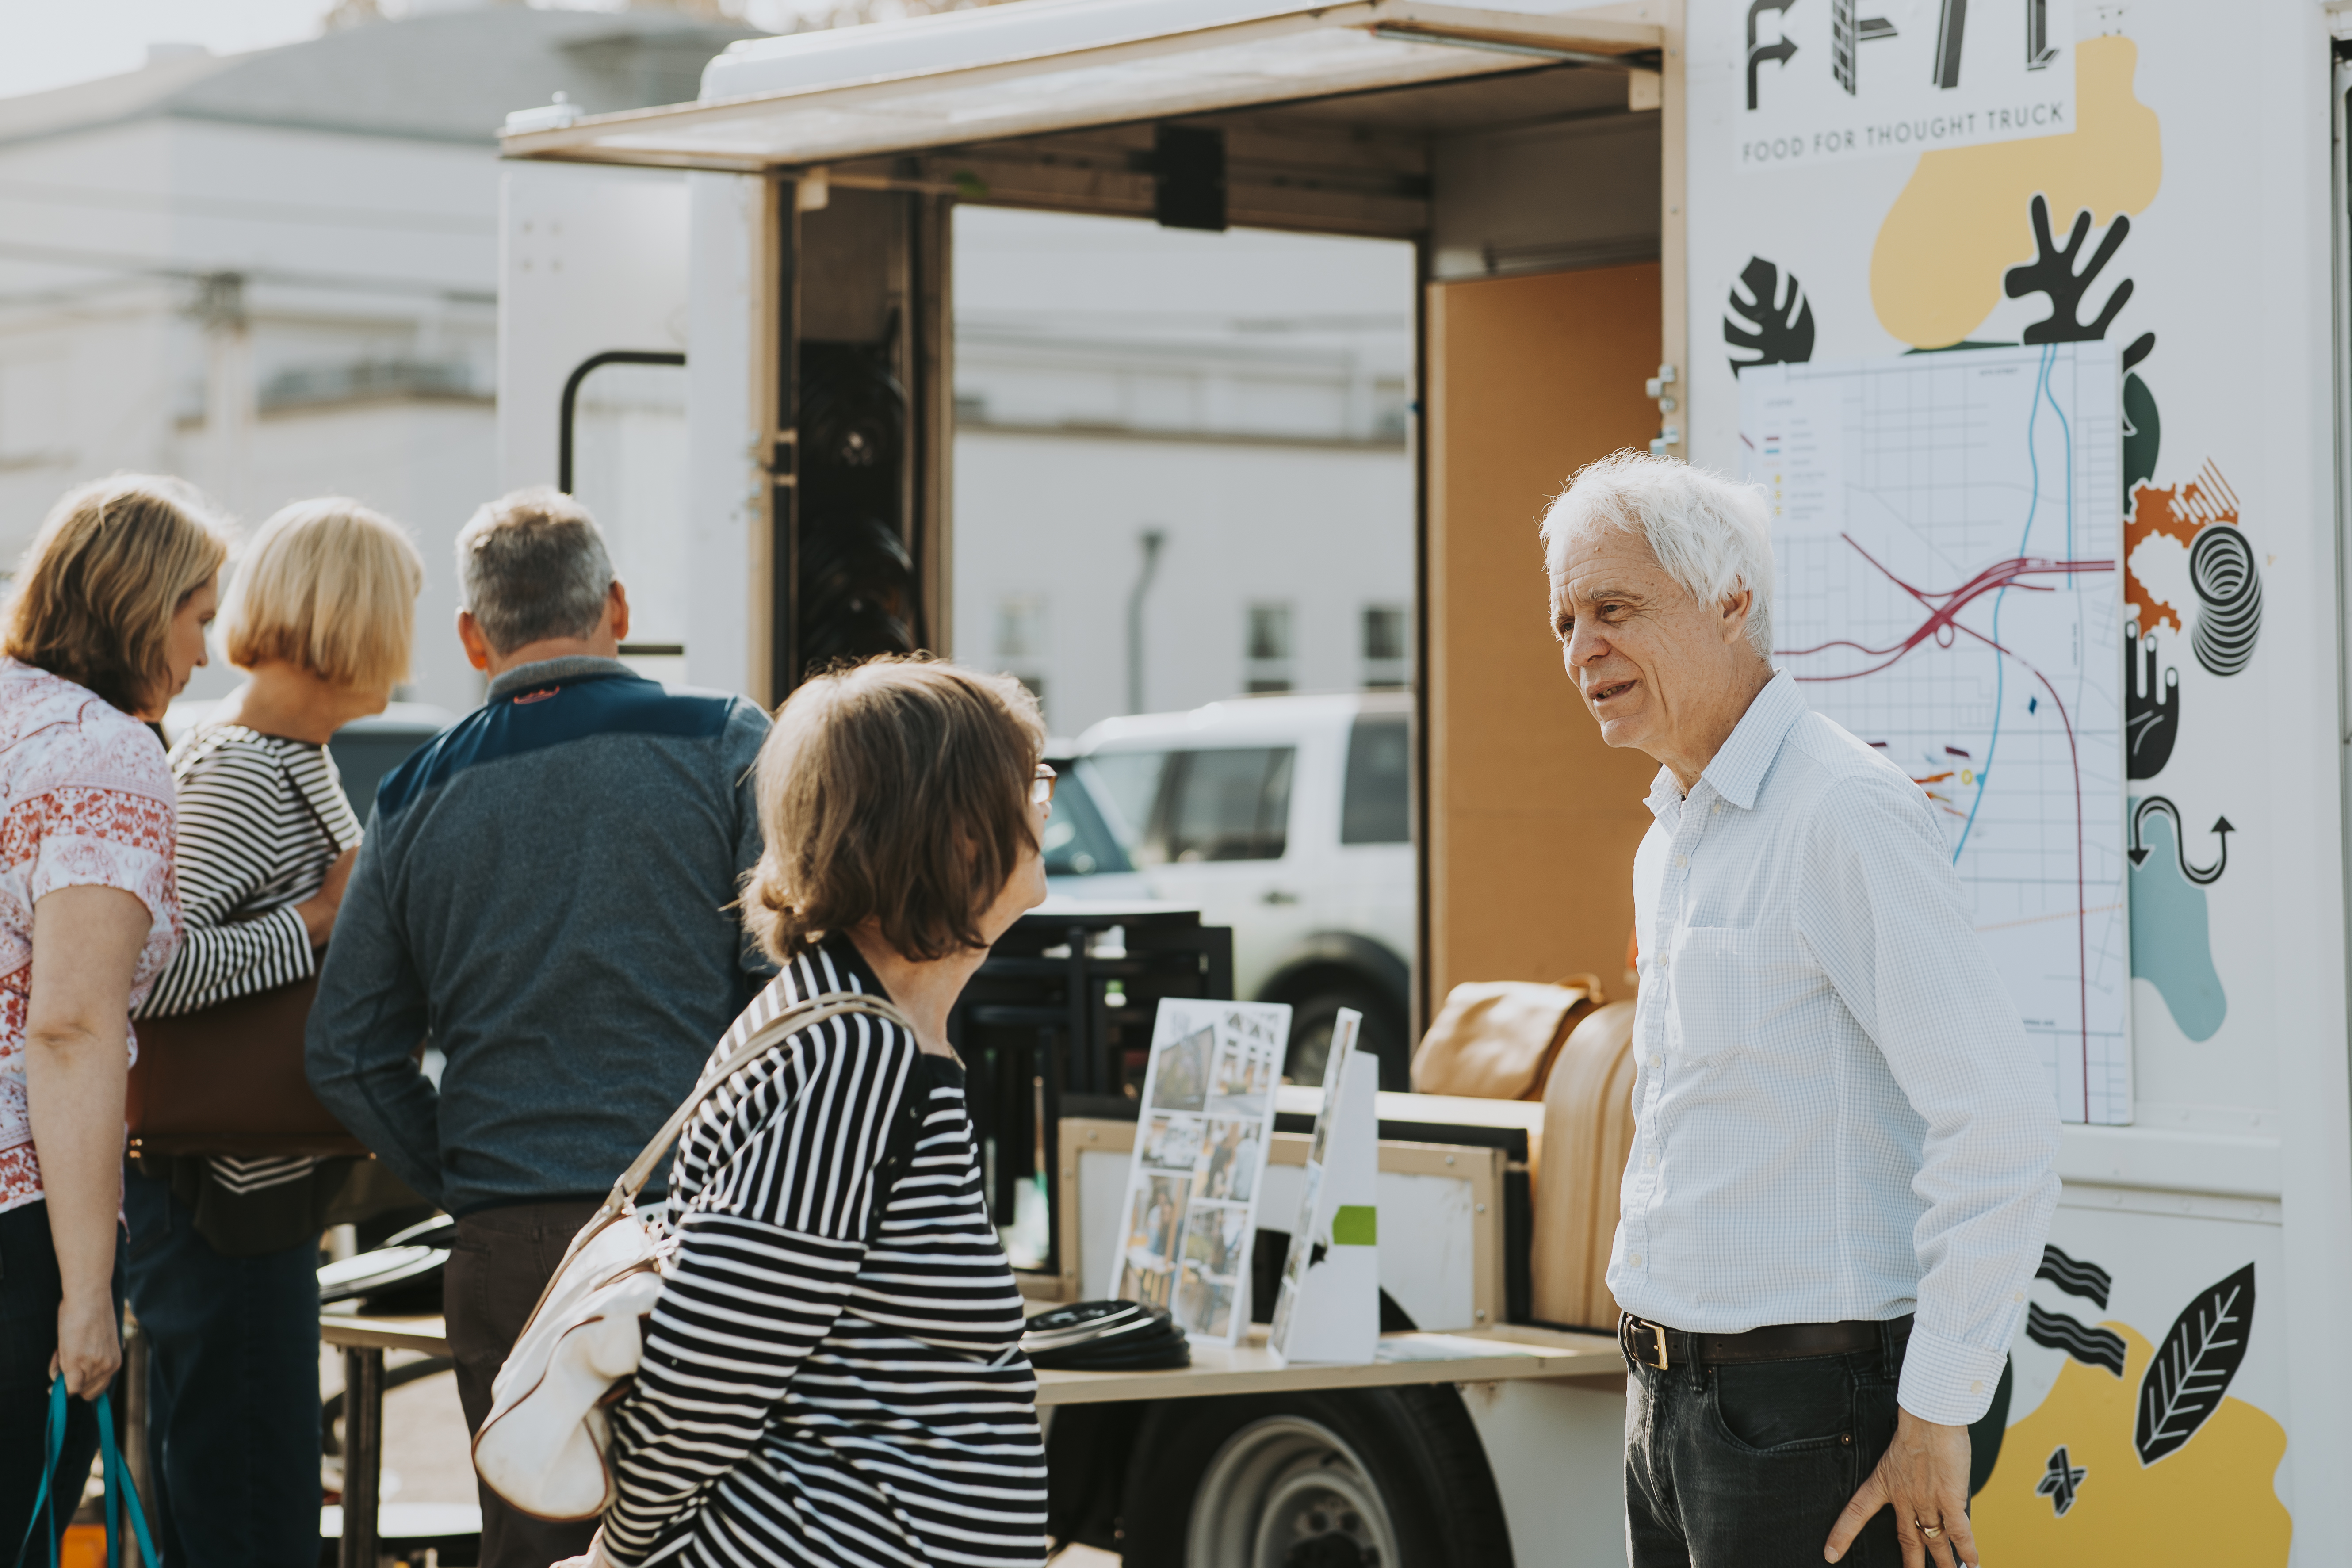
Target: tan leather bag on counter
(1495, 1039)
(1587, 1137)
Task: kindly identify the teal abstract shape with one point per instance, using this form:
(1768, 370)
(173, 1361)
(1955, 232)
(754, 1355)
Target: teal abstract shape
(2171, 939)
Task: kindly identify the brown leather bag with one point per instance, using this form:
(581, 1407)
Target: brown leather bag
(1495, 1039)
(228, 1079)
(1587, 1137)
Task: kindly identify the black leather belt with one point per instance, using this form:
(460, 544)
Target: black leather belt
(1654, 1344)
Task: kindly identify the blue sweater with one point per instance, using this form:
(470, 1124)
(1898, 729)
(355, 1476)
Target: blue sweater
(545, 895)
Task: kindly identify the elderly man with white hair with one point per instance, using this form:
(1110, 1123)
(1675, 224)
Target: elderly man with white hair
(1843, 1171)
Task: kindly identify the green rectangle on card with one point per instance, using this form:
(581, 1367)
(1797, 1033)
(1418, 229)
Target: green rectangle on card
(1356, 1225)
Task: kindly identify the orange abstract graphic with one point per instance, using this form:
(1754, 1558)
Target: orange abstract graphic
(2175, 511)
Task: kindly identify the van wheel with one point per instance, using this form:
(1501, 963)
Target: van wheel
(1380, 1477)
(1312, 1018)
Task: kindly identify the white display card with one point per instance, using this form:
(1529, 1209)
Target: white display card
(1329, 1305)
(1190, 1217)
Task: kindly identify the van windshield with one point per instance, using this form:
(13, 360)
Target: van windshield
(1076, 840)
(1127, 784)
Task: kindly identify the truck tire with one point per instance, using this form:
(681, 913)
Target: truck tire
(1383, 1034)
(1364, 1477)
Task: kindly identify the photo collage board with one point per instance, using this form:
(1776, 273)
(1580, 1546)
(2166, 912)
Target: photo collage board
(1190, 1220)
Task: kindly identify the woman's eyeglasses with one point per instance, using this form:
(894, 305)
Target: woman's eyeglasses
(1041, 788)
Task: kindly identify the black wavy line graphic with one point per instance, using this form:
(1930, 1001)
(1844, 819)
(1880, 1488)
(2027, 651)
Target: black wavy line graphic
(2074, 1276)
(2221, 570)
(2056, 1330)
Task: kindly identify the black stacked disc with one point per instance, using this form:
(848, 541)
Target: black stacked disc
(1106, 1336)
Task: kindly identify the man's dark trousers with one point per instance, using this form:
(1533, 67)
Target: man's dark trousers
(503, 1259)
(1749, 1465)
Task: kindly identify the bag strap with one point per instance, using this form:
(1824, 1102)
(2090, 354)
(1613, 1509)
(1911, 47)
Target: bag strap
(53, 1446)
(119, 1486)
(805, 1014)
(334, 839)
(802, 1015)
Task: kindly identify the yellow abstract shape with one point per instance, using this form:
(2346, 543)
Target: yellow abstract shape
(1964, 218)
(2213, 1500)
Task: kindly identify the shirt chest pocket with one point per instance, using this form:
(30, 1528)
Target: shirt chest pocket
(1739, 988)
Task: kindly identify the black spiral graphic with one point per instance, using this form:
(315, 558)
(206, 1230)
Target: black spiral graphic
(2221, 570)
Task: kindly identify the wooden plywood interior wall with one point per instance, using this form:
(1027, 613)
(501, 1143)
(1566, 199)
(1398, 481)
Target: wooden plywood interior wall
(1533, 822)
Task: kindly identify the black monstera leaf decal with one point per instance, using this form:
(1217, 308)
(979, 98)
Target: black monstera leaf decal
(1769, 322)
(2192, 1368)
(2053, 272)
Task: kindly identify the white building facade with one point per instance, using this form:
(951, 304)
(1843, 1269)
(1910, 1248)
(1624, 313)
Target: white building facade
(275, 274)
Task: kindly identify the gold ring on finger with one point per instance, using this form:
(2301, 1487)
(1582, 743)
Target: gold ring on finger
(1929, 1530)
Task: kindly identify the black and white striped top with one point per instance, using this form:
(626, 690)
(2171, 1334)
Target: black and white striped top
(261, 818)
(821, 1385)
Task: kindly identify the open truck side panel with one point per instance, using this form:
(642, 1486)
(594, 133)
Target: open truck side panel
(2180, 1389)
(2179, 1349)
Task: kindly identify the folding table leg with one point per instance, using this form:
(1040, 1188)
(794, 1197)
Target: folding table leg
(363, 1454)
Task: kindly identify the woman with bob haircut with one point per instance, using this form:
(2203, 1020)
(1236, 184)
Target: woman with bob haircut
(224, 1251)
(106, 623)
(833, 1373)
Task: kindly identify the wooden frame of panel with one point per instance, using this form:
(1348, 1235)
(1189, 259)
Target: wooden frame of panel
(1482, 1167)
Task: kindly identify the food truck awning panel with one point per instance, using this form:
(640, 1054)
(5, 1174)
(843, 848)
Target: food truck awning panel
(1044, 67)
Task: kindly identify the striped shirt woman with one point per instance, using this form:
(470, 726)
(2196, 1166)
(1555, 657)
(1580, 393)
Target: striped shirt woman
(822, 1383)
(832, 1376)
(224, 1252)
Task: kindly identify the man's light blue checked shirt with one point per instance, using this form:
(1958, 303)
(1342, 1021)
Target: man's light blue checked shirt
(1839, 1116)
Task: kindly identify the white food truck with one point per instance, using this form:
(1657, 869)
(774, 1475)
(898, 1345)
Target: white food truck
(2030, 317)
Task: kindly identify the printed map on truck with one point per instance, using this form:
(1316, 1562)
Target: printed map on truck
(1946, 527)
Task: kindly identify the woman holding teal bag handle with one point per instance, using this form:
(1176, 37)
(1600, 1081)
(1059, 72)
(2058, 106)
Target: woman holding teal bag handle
(47, 1526)
(105, 625)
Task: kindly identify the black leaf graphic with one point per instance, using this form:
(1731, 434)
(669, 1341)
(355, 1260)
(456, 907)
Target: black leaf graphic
(1774, 320)
(2193, 1366)
(2053, 272)
(2094, 1347)
(2151, 723)
(2143, 433)
(2073, 1274)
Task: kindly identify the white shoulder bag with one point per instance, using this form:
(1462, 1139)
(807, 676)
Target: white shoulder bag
(544, 1446)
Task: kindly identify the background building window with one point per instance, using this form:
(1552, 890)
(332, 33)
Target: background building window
(1387, 648)
(1266, 650)
(1021, 626)
(1021, 642)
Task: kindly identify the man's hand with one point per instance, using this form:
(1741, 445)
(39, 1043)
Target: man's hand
(1924, 1477)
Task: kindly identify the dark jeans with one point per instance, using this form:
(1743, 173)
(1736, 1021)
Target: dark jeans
(503, 1259)
(30, 1289)
(232, 1389)
(1749, 1466)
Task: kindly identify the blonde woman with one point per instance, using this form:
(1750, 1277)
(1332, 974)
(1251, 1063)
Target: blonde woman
(105, 626)
(223, 1251)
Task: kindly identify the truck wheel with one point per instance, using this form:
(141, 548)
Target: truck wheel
(1373, 1477)
(1312, 1018)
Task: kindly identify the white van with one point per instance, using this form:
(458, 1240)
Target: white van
(1289, 819)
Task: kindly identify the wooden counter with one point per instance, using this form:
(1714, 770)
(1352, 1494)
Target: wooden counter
(1487, 1356)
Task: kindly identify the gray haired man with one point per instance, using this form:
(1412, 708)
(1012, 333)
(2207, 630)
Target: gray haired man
(1844, 1167)
(544, 896)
